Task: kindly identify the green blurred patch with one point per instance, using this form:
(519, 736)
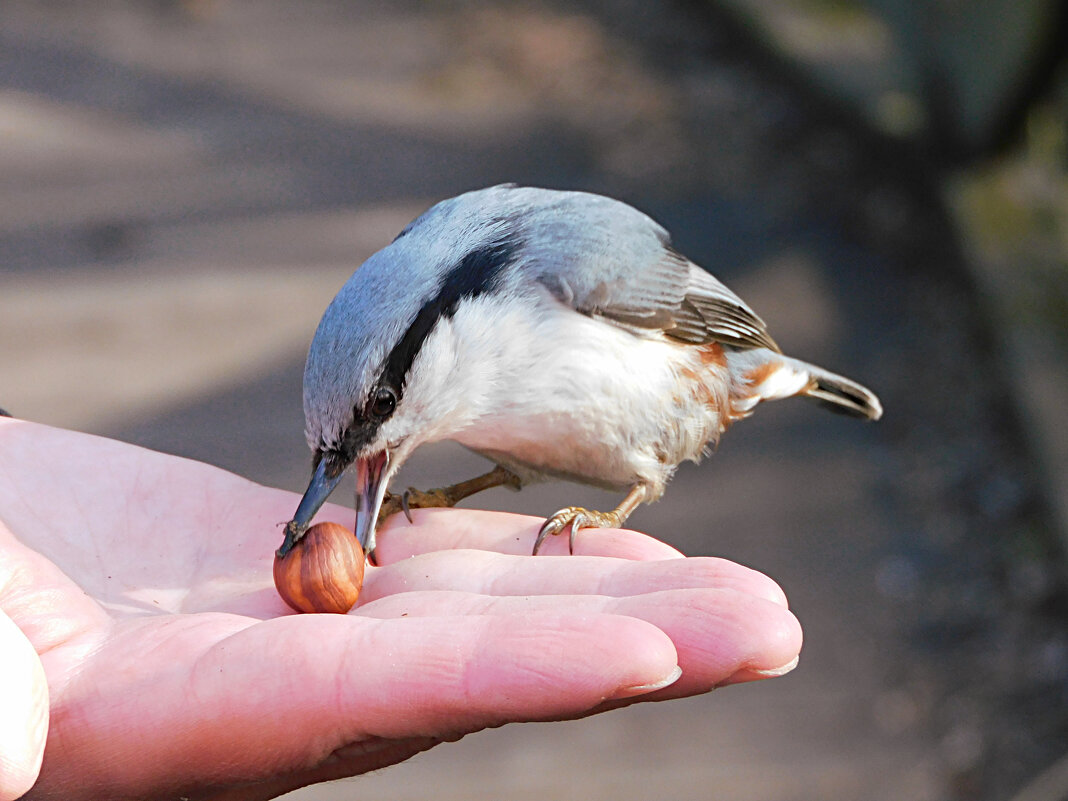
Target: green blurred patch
(1013, 215)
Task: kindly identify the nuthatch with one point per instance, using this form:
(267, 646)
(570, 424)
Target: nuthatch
(558, 334)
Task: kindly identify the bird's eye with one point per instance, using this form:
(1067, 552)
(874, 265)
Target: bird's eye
(383, 403)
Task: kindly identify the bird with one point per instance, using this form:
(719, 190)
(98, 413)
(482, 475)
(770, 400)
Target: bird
(559, 334)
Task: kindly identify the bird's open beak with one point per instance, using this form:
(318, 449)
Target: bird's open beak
(371, 480)
(370, 489)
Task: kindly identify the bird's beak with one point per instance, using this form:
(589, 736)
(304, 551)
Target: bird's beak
(371, 479)
(319, 489)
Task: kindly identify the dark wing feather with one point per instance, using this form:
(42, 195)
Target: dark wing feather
(710, 308)
(674, 295)
(605, 258)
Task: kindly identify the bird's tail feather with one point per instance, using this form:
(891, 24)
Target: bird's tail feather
(760, 374)
(840, 394)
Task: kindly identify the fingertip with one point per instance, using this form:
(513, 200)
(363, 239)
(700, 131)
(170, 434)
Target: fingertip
(649, 654)
(723, 637)
(784, 643)
(568, 663)
(770, 589)
(777, 654)
(651, 687)
(746, 675)
(771, 673)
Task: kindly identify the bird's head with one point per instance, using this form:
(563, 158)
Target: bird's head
(379, 379)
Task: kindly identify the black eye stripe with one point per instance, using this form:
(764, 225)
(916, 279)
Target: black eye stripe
(478, 273)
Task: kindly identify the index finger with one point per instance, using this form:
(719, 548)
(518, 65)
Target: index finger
(502, 532)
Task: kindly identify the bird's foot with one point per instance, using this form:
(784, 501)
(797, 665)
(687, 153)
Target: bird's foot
(577, 518)
(444, 497)
(412, 498)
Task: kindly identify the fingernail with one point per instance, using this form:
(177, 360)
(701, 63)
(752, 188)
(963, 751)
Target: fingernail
(779, 671)
(642, 689)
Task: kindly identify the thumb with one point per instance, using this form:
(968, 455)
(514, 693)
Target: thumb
(23, 712)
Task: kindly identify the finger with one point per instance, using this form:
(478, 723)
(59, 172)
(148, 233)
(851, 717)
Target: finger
(721, 636)
(442, 529)
(346, 762)
(283, 694)
(497, 574)
(24, 722)
(332, 680)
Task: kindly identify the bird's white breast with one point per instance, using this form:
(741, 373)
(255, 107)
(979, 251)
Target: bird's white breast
(537, 385)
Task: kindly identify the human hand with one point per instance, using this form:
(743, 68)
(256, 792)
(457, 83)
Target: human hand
(143, 584)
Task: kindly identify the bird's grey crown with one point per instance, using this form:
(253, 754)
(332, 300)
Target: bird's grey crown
(597, 255)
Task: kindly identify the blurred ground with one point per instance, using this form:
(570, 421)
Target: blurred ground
(183, 187)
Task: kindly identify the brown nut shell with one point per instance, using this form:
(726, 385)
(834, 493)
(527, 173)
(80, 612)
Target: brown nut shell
(323, 572)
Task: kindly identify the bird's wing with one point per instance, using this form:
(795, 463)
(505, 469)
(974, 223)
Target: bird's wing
(710, 311)
(613, 261)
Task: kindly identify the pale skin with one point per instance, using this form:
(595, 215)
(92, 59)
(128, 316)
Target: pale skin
(146, 653)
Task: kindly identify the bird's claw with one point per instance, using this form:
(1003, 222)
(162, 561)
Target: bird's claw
(404, 504)
(577, 522)
(577, 518)
(412, 498)
(553, 525)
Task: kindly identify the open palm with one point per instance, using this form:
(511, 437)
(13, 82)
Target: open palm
(143, 582)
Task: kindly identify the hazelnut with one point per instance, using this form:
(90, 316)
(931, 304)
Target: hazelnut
(323, 572)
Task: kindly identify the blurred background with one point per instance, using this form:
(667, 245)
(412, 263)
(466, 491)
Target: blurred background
(185, 185)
